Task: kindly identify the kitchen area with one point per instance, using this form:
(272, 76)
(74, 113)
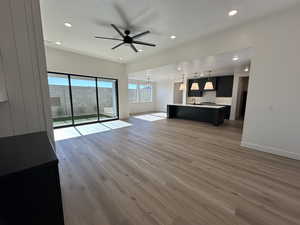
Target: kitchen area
(208, 99)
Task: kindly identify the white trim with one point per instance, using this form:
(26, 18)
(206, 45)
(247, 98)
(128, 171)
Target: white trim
(271, 150)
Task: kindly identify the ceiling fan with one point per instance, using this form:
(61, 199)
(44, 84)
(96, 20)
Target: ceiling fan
(126, 39)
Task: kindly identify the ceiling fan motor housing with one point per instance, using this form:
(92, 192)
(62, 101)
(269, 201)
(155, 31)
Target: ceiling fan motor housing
(128, 40)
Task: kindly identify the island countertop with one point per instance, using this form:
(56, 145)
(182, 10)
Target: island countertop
(200, 106)
(204, 113)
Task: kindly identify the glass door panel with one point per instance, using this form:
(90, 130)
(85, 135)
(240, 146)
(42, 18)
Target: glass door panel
(84, 99)
(60, 100)
(107, 96)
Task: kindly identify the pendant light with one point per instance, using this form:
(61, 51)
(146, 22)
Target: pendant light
(182, 86)
(195, 85)
(148, 82)
(209, 84)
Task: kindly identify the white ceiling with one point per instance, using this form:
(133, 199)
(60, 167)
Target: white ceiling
(187, 19)
(221, 64)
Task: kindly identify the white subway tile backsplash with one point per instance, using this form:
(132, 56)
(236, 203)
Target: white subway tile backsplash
(210, 96)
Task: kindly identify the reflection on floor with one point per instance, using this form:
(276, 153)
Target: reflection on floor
(91, 128)
(152, 117)
(72, 132)
(114, 125)
(65, 133)
(161, 114)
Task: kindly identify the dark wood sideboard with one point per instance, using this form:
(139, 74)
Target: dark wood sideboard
(30, 191)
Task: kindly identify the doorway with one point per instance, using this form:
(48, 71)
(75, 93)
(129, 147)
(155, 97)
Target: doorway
(242, 97)
(178, 94)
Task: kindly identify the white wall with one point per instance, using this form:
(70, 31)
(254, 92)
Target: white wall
(68, 62)
(136, 108)
(272, 121)
(23, 69)
(164, 94)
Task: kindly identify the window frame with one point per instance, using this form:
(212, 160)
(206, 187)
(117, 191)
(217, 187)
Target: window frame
(136, 92)
(138, 84)
(151, 92)
(97, 78)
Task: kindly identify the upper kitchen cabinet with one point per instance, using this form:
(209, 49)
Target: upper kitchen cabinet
(224, 86)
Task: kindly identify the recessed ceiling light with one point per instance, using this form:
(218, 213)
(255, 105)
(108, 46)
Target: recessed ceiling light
(173, 37)
(67, 24)
(246, 69)
(58, 42)
(140, 50)
(233, 12)
(121, 58)
(235, 58)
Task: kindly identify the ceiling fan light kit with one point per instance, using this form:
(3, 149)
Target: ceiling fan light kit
(127, 39)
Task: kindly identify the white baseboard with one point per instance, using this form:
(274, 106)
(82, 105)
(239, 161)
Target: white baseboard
(271, 150)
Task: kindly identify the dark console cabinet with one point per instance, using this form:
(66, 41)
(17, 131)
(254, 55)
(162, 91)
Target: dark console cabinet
(29, 181)
(224, 86)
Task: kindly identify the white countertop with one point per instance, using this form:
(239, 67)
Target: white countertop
(200, 106)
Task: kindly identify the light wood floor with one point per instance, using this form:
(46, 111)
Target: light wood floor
(175, 172)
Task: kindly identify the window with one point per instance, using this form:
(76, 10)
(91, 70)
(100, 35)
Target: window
(145, 91)
(78, 99)
(132, 93)
(139, 92)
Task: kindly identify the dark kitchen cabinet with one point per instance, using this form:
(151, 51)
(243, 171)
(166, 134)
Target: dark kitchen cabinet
(30, 191)
(224, 86)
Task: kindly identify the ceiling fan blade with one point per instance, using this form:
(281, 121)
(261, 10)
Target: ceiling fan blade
(107, 38)
(143, 43)
(122, 15)
(141, 34)
(118, 45)
(118, 30)
(133, 47)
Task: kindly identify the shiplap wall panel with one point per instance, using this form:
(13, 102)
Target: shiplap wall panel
(42, 66)
(34, 65)
(3, 94)
(24, 69)
(11, 69)
(5, 126)
(26, 74)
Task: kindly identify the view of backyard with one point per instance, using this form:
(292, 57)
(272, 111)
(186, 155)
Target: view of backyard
(78, 99)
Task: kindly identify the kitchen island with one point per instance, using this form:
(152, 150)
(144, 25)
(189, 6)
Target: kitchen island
(214, 114)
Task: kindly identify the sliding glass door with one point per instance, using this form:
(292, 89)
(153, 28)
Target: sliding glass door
(78, 99)
(60, 100)
(107, 99)
(84, 99)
